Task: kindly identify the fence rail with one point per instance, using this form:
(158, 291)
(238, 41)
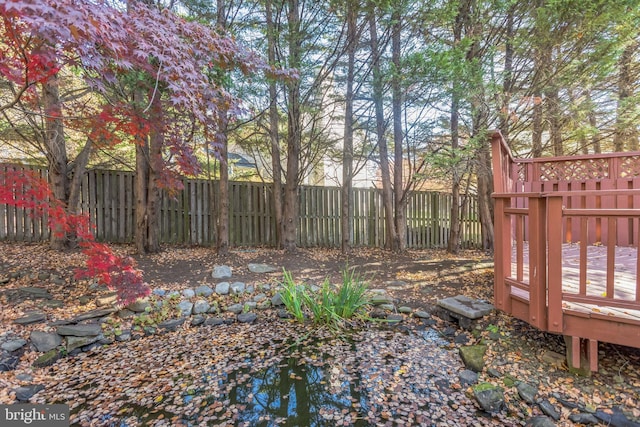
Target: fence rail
(188, 217)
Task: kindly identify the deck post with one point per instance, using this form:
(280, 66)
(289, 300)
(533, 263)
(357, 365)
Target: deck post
(537, 262)
(554, 261)
(502, 256)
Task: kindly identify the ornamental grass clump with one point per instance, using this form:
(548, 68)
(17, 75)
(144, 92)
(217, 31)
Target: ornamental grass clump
(330, 306)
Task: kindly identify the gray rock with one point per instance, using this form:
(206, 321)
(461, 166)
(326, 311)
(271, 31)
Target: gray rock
(31, 317)
(8, 361)
(555, 359)
(249, 305)
(94, 314)
(125, 314)
(201, 306)
(395, 318)
(222, 288)
(276, 300)
(84, 299)
(237, 288)
(204, 290)
(548, 409)
(13, 345)
(74, 342)
(262, 268)
(582, 418)
(260, 297)
(378, 299)
(377, 313)
(159, 292)
(468, 377)
(26, 392)
(247, 317)
(185, 308)
(235, 308)
(214, 321)
(461, 339)
(24, 377)
(283, 313)
(35, 292)
(173, 294)
(43, 275)
(490, 397)
(198, 320)
(108, 299)
(45, 341)
(214, 309)
(473, 356)
(124, 336)
(389, 307)
(540, 421)
(263, 305)
(527, 392)
(47, 359)
(85, 330)
(250, 289)
(615, 419)
(494, 372)
(52, 303)
(139, 306)
(171, 324)
(404, 309)
(221, 272)
(465, 306)
(188, 293)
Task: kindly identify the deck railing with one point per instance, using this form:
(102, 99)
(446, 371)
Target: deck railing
(544, 204)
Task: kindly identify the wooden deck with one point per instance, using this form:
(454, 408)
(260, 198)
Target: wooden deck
(567, 231)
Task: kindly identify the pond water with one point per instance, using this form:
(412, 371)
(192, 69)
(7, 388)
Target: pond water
(354, 380)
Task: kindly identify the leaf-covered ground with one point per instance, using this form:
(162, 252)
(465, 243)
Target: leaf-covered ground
(229, 374)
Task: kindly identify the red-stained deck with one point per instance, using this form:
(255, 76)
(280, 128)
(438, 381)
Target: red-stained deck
(566, 259)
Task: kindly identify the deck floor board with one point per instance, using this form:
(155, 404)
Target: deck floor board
(596, 282)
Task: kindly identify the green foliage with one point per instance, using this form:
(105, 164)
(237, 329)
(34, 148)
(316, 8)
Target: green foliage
(330, 306)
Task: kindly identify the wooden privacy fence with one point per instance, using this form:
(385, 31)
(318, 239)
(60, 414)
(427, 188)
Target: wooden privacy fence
(188, 217)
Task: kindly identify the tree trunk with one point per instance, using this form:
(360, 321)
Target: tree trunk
(290, 214)
(222, 243)
(56, 153)
(626, 134)
(396, 99)
(347, 149)
(385, 169)
(273, 129)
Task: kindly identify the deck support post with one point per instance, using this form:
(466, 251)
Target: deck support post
(582, 355)
(538, 262)
(554, 263)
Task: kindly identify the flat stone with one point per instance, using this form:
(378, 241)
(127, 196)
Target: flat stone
(185, 308)
(389, 307)
(26, 392)
(221, 272)
(214, 309)
(378, 299)
(125, 314)
(582, 418)
(214, 321)
(468, 377)
(94, 314)
(45, 341)
(204, 290)
(124, 336)
(188, 293)
(247, 317)
(8, 361)
(31, 317)
(404, 310)
(159, 292)
(283, 314)
(554, 359)
(527, 392)
(465, 306)
(171, 324)
(395, 318)
(86, 330)
(222, 288)
(490, 398)
(13, 345)
(43, 275)
(615, 418)
(548, 409)
(52, 303)
(249, 305)
(263, 305)
(201, 306)
(540, 421)
(34, 292)
(237, 288)
(74, 342)
(139, 306)
(262, 268)
(84, 299)
(422, 314)
(198, 320)
(108, 299)
(24, 377)
(235, 308)
(260, 297)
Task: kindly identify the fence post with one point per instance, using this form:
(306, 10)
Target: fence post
(537, 262)
(502, 255)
